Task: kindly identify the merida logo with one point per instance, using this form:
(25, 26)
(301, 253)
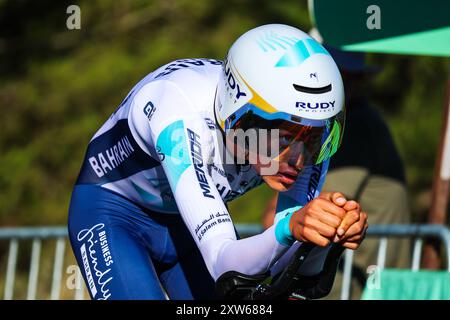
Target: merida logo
(314, 181)
(196, 153)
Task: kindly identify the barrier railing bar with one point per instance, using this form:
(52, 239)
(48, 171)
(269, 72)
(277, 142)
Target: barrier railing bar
(391, 230)
(79, 291)
(58, 268)
(347, 277)
(33, 232)
(417, 253)
(14, 235)
(414, 231)
(11, 269)
(34, 269)
(382, 250)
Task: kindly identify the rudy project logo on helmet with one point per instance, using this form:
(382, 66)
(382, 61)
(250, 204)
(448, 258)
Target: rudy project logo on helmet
(230, 80)
(316, 107)
(297, 51)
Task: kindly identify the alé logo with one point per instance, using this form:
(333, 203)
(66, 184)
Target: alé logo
(149, 110)
(296, 50)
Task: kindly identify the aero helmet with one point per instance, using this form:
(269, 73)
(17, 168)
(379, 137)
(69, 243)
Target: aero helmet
(278, 77)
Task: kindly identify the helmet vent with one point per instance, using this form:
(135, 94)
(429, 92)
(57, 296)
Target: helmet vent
(312, 90)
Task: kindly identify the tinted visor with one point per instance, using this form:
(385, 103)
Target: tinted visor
(300, 142)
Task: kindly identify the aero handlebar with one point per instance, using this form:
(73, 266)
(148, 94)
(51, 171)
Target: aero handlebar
(289, 284)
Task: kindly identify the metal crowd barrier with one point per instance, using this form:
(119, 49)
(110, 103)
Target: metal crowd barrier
(38, 234)
(416, 232)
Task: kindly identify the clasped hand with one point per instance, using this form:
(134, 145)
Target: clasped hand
(330, 218)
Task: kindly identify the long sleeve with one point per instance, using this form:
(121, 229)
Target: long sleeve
(185, 146)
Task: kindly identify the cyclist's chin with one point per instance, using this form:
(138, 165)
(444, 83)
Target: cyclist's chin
(277, 183)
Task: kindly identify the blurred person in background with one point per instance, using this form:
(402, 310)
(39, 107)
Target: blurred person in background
(367, 168)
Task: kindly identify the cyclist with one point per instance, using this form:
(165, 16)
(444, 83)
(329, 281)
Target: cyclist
(148, 215)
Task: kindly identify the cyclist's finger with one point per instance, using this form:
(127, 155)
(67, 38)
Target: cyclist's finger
(338, 199)
(329, 219)
(358, 227)
(321, 205)
(322, 228)
(351, 205)
(335, 197)
(314, 237)
(349, 220)
(351, 245)
(357, 237)
(325, 195)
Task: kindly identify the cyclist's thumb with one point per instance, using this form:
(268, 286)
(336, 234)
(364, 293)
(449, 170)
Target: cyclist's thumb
(338, 199)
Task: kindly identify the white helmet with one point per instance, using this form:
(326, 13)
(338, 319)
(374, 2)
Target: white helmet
(276, 76)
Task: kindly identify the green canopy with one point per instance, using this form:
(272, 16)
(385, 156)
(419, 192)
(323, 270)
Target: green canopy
(396, 26)
(400, 26)
(396, 284)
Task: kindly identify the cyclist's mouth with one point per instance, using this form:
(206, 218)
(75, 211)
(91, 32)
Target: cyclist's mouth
(286, 177)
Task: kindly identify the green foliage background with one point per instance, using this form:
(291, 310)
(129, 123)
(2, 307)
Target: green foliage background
(58, 86)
